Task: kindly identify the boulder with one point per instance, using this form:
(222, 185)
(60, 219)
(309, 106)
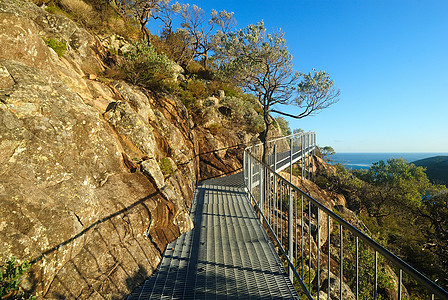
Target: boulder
(335, 286)
(211, 101)
(6, 80)
(221, 94)
(151, 169)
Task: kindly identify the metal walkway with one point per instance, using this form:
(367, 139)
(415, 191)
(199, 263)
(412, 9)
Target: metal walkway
(227, 255)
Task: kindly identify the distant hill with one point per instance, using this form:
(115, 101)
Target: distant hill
(436, 168)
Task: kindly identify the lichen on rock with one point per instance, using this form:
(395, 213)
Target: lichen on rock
(91, 227)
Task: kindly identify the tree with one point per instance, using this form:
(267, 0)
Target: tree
(395, 186)
(315, 92)
(327, 152)
(261, 64)
(203, 36)
(165, 14)
(142, 11)
(435, 211)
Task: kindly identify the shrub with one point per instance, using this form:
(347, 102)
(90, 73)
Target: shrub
(242, 111)
(194, 67)
(80, 10)
(58, 46)
(53, 9)
(166, 167)
(144, 66)
(198, 71)
(10, 277)
(191, 92)
(215, 128)
(197, 89)
(230, 91)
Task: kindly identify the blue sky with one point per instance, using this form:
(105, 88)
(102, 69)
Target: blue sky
(389, 59)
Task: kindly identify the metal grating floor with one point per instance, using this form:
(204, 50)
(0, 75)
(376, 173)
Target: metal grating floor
(226, 256)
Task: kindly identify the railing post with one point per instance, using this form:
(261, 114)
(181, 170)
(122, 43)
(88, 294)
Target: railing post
(302, 151)
(275, 157)
(250, 175)
(290, 216)
(245, 168)
(261, 187)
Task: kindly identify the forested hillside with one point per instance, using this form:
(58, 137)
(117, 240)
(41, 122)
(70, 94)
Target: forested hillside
(436, 168)
(403, 210)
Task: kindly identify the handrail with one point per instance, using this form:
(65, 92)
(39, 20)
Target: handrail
(268, 194)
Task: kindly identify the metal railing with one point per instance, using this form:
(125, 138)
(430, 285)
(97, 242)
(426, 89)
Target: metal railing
(323, 252)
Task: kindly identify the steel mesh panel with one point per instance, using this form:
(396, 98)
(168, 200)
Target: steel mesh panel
(226, 256)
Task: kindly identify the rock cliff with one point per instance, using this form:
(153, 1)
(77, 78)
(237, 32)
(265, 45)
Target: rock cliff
(83, 191)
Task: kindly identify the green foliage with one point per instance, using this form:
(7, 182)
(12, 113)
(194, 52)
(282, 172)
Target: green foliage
(395, 185)
(433, 215)
(243, 112)
(327, 153)
(175, 46)
(204, 34)
(284, 125)
(10, 276)
(197, 88)
(166, 167)
(191, 92)
(99, 16)
(403, 210)
(259, 62)
(215, 128)
(58, 46)
(196, 70)
(366, 260)
(229, 90)
(316, 91)
(144, 66)
(53, 9)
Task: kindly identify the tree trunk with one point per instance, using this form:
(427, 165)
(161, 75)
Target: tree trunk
(205, 55)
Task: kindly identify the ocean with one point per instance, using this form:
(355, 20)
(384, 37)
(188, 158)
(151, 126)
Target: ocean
(365, 160)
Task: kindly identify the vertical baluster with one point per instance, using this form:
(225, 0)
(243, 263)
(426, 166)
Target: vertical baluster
(290, 161)
(357, 268)
(244, 168)
(296, 215)
(301, 237)
(281, 213)
(302, 153)
(329, 242)
(306, 158)
(341, 272)
(290, 212)
(250, 176)
(290, 228)
(275, 205)
(275, 158)
(269, 197)
(261, 200)
(400, 278)
(318, 252)
(309, 246)
(375, 295)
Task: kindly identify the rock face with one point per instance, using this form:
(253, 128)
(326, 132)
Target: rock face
(81, 191)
